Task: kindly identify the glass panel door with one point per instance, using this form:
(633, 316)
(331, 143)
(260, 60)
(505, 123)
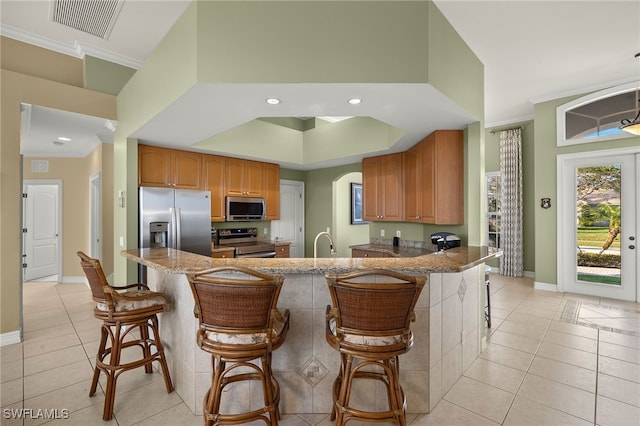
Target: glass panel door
(600, 227)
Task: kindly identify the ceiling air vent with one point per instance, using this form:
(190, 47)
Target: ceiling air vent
(96, 17)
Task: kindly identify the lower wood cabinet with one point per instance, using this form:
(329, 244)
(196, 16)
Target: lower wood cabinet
(282, 250)
(367, 253)
(220, 254)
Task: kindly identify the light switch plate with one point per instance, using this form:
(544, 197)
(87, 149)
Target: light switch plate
(382, 232)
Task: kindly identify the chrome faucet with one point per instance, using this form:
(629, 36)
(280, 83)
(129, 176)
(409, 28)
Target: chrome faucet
(315, 244)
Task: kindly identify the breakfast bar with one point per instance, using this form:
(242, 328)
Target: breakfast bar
(447, 332)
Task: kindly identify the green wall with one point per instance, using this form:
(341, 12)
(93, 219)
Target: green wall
(104, 76)
(545, 183)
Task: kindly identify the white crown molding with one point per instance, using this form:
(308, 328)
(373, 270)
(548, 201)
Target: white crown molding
(509, 122)
(78, 50)
(582, 90)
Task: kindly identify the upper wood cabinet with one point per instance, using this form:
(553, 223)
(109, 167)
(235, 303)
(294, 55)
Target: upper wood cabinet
(213, 178)
(272, 190)
(244, 177)
(434, 177)
(382, 186)
(163, 167)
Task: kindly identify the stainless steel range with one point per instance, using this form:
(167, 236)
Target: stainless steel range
(246, 243)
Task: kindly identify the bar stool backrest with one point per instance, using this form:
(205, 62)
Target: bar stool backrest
(374, 303)
(95, 276)
(241, 304)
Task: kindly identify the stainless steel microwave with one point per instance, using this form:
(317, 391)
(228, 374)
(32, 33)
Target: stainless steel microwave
(244, 209)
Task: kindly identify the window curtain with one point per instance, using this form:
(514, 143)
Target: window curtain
(511, 209)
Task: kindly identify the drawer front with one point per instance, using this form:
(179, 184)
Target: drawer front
(223, 254)
(282, 251)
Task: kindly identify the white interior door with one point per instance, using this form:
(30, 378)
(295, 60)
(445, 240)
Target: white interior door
(41, 230)
(599, 200)
(290, 227)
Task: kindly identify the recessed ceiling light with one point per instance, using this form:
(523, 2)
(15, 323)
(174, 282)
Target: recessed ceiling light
(273, 101)
(63, 139)
(355, 101)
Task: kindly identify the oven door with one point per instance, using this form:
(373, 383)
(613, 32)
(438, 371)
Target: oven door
(258, 254)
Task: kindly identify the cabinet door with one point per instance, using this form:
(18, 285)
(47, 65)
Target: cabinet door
(429, 172)
(282, 250)
(244, 178)
(272, 191)
(233, 177)
(154, 166)
(392, 196)
(213, 177)
(412, 169)
(370, 189)
(253, 178)
(187, 170)
(225, 254)
(449, 178)
(366, 253)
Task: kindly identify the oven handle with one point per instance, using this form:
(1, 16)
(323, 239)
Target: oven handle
(259, 254)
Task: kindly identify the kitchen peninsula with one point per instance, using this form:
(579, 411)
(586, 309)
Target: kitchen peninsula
(447, 331)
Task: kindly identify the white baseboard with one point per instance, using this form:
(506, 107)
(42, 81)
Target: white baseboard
(545, 286)
(10, 338)
(529, 274)
(496, 270)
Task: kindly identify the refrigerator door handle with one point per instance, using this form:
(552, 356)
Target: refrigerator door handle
(172, 228)
(177, 219)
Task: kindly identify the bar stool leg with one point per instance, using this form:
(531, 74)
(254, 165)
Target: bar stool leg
(99, 355)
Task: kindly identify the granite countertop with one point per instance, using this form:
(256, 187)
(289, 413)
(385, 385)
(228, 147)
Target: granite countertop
(394, 251)
(181, 262)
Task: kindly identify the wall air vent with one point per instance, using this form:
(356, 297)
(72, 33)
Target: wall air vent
(96, 17)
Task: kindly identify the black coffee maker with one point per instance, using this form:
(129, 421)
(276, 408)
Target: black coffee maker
(445, 240)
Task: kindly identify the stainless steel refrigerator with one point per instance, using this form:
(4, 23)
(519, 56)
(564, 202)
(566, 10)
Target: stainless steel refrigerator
(175, 218)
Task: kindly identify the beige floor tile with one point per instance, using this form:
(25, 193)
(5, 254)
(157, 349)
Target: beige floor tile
(507, 356)
(619, 389)
(90, 416)
(134, 379)
(528, 319)
(139, 404)
(572, 341)
(48, 333)
(497, 375)
(177, 415)
(620, 352)
(620, 339)
(45, 323)
(448, 414)
(514, 341)
(53, 359)
(70, 398)
(567, 374)
(615, 413)
(576, 330)
(10, 353)
(568, 355)
(618, 368)
(493, 403)
(50, 380)
(525, 412)
(523, 329)
(11, 392)
(43, 345)
(535, 312)
(564, 398)
(11, 370)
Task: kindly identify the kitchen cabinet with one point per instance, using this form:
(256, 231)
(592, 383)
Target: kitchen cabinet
(223, 254)
(382, 187)
(164, 167)
(272, 191)
(244, 178)
(213, 167)
(367, 253)
(283, 250)
(434, 177)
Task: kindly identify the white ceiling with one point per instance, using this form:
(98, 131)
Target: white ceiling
(532, 51)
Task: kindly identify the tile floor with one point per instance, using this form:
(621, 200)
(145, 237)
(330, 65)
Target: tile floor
(551, 359)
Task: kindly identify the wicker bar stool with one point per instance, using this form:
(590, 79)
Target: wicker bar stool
(239, 323)
(123, 311)
(369, 324)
